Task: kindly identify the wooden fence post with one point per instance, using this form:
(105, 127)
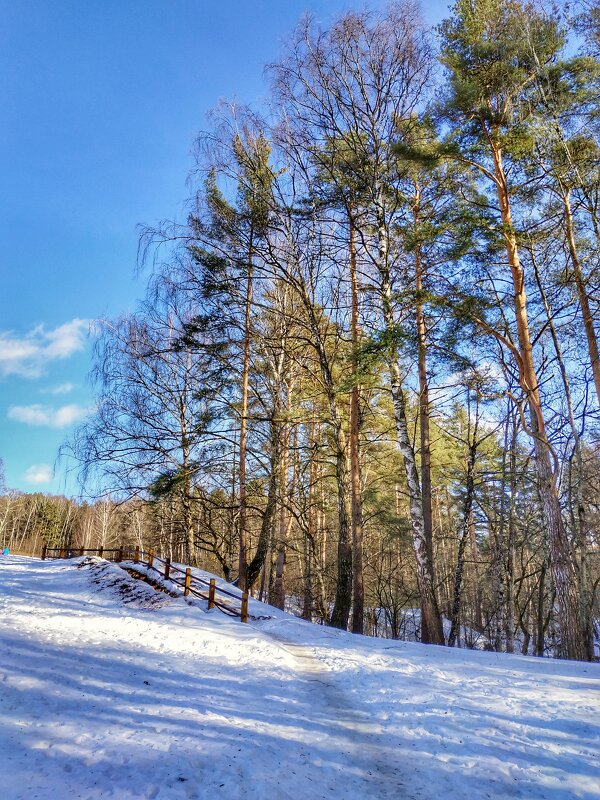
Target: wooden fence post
(61, 553)
(167, 568)
(136, 555)
(44, 548)
(211, 593)
(188, 580)
(120, 555)
(151, 558)
(101, 552)
(81, 551)
(244, 613)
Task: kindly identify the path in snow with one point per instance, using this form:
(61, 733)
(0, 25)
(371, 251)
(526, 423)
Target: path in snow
(356, 734)
(459, 724)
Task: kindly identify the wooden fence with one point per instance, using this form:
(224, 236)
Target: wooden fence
(191, 584)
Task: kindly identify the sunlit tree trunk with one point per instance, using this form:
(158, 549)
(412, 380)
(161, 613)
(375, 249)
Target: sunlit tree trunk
(467, 524)
(561, 556)
(424, 410)
(358, 592)
(431, 619)
(581, 524)
(242, 532)
(582, 294)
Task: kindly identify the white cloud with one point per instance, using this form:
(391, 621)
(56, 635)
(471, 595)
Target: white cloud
(39, 415)
(28, 355)
(62, 388)
(39, 473)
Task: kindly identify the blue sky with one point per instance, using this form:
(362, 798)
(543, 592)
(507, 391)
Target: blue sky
(100, 104)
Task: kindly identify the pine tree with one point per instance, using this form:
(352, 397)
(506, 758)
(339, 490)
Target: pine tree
(242, 226)
(495, 52)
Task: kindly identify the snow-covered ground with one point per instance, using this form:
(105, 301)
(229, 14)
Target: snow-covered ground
(110, 690)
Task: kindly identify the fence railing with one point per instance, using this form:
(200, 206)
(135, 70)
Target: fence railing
(183, 577)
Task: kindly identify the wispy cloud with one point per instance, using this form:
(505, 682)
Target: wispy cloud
(62, 388)
(46, 416)
(28, 355)
(39, 473)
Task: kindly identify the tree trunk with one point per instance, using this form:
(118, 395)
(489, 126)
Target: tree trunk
(498, 563)
(307, 600)
(509, 620)
(462, 544)
(477, 584)
(580, 522)
(277, 595)
(285, 519)
(343, 593)
(243, 534)
(310, 536)
(358, 591)
(321, 532)
(539, 639)
(431, 621)
(561, 557)
(584, 302)
(423, 398)
(264, 537)
(188, 523)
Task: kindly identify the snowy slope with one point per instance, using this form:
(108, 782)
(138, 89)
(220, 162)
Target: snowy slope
(110, 690)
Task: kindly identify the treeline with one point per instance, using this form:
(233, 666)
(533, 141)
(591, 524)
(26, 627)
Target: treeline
(366, 374)
(28, 521)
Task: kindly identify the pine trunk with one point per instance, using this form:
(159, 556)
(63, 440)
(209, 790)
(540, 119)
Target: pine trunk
(277, 597)
(242, 532)
(285, 518)
(343, 593)
(584, 301)
(266, 528)
(580, 518)
(423, 398)
(509, 620)
(561, 557)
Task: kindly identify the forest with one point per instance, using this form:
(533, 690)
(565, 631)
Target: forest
(364, 381)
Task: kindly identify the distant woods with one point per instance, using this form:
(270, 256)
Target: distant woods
(364, 382)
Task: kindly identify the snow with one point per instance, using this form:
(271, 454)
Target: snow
(111, 690)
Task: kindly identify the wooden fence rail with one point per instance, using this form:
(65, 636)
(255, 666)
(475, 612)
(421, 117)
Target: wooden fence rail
(191, 584)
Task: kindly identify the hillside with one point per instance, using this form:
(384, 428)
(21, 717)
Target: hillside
(111, 690)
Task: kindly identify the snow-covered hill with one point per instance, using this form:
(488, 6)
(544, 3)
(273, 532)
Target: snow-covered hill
(110, 690)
